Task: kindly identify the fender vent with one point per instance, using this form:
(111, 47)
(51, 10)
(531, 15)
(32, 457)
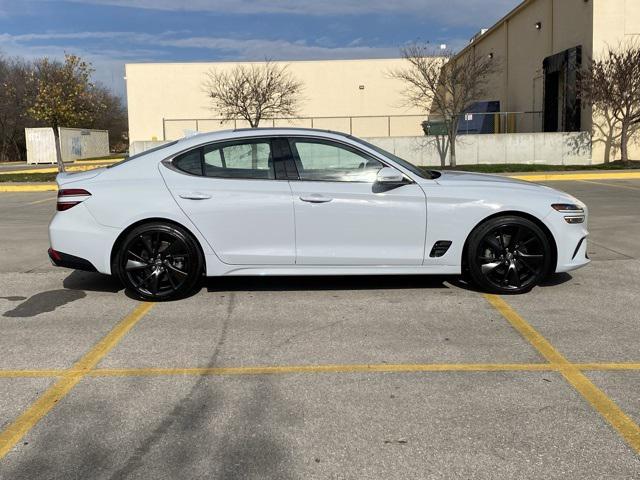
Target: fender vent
(440, 248)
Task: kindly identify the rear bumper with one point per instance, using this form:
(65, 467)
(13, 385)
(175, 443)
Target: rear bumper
(76, 233)
(60, 259)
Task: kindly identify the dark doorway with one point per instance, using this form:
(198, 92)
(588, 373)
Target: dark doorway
(562, 107)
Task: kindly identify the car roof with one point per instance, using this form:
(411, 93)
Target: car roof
(258, 132)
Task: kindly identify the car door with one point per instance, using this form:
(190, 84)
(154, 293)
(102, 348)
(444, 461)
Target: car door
(343, 217)
(230, 192)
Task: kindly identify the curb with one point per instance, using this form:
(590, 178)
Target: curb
(558, 177)
(29, 187)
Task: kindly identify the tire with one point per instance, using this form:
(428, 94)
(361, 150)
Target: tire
(508, 255)
(159, 261)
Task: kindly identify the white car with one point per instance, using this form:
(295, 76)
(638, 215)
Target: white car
(306, 202)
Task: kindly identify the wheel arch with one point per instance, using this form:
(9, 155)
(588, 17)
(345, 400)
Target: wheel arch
(123, 234)
(515, 213)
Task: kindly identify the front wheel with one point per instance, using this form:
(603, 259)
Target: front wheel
(159, 261)
(508, 255)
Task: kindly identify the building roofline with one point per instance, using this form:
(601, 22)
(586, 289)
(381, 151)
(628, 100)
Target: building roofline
(263, 61)
(495, 26)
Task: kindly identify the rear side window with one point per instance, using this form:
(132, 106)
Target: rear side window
(248, 160)
(189, 162)
(240, 160)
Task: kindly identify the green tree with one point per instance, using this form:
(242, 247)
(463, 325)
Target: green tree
(64, 95)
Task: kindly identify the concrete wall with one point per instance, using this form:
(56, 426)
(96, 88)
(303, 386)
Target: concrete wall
(331, 89)
(522, 148)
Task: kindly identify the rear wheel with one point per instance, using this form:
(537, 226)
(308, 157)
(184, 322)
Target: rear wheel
(159, 261)
(508, 255)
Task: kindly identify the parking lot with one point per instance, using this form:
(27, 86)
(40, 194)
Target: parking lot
(327, 378)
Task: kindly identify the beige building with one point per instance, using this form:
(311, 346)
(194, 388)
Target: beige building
(357, 96)
(541, 46)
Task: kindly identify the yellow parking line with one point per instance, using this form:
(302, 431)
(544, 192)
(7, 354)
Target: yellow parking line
(612, 185)
(607, 366)
(627, 428)
(552, 177)
(31, 373)
(13, 433)
(276, 369)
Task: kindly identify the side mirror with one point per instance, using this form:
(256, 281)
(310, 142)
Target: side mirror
(388, 175)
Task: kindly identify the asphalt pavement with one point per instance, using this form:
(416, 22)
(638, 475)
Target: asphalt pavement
(322, 378)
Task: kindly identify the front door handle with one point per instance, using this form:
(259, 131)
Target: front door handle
(195, 196)
(315, 198)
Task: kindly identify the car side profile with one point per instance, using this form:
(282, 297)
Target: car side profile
(282, 201)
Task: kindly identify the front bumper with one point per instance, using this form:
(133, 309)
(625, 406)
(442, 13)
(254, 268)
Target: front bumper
(571, 242)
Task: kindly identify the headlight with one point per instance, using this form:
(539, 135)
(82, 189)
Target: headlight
(567, 208)
(576, 212)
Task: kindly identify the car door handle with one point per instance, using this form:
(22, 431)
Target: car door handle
(195, 196)
(315, 198)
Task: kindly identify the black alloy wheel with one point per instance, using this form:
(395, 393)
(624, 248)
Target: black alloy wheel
(159, 261)
(508, 255)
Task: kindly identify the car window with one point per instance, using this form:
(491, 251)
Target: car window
(239, 160)
(189, 162)
(327, 161)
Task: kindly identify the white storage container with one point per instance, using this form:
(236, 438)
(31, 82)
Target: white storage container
(75, 143)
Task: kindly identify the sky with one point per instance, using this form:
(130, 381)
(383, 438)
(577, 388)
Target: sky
(110, 33)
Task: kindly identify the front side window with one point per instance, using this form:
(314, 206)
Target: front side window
(326, 161)
(249, 160)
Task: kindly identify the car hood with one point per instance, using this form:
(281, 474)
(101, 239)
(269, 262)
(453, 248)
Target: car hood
(477, 179)
(493, 182)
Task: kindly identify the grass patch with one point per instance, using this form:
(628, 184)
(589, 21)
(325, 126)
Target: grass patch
(28, 177)
(518, 168)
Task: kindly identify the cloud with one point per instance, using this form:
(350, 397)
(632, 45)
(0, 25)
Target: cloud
(243, 49)
(454, 12)
(130, 47)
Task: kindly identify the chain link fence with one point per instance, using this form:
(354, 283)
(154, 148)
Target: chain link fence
(361, 126)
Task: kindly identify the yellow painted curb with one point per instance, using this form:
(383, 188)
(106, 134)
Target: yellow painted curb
(73, 168)
(554, 177)
(44, 187)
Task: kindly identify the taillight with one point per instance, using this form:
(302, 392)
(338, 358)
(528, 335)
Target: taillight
(70, 197)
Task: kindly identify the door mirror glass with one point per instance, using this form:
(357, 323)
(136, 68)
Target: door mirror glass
(388, 175)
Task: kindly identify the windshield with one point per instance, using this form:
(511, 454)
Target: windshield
(151, 150)
(400, 161)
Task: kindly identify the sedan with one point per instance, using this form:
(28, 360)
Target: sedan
(306, 202)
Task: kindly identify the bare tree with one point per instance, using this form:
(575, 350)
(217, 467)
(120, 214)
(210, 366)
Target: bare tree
(444, 84)
(611, 84)
(253, 92)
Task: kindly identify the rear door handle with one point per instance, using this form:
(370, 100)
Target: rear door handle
(315, 198)
(195, 196)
